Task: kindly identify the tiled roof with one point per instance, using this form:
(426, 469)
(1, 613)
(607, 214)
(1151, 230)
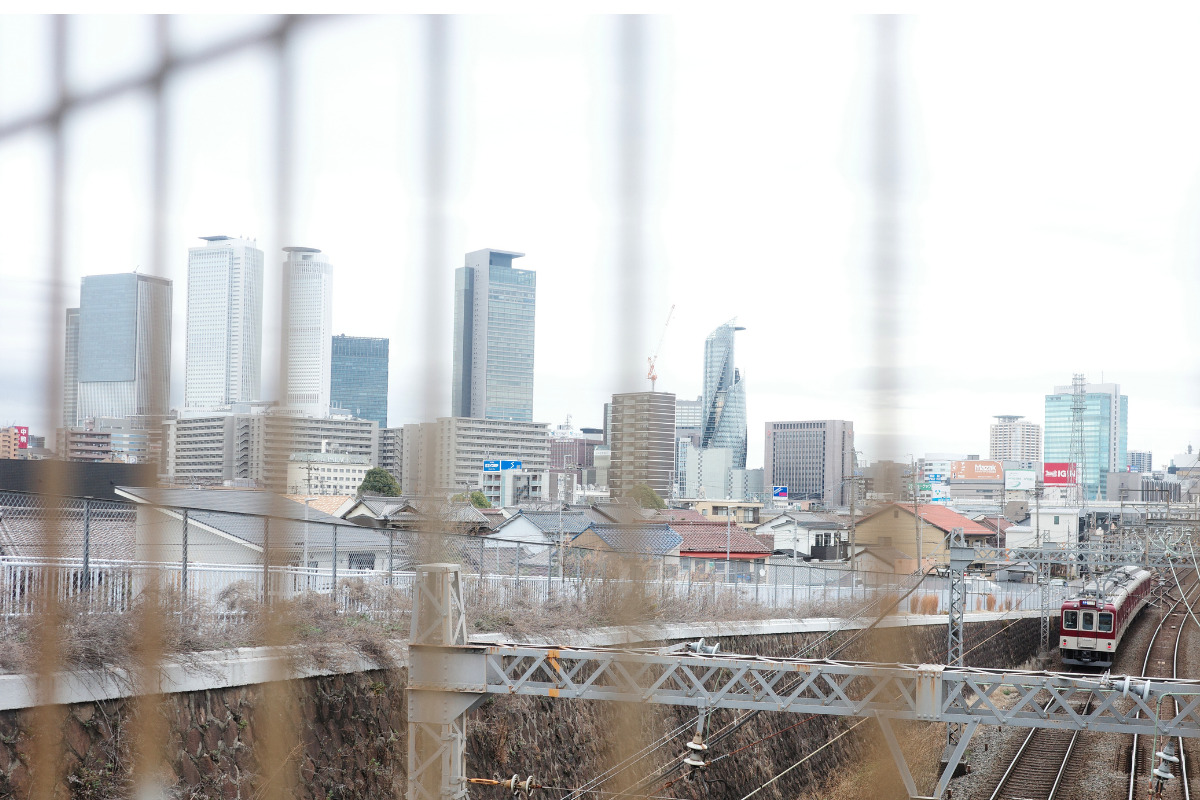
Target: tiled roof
(943, 518)
(709, 537)
(573, 522)
(328, 504)
(679, 515)
(28, 522)
(241, 501)
(644, 538)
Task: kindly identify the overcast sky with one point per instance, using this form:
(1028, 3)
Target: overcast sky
(1050, 212)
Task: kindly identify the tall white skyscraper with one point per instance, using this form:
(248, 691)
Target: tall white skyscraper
(224, 323)
(308, 292)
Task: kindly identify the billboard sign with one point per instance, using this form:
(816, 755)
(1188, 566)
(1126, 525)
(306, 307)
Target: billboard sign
(779, 492)
(976, 470)
(1020, 480)
(510, 465)
(1058, 474)
(22, 437)
(500, 466)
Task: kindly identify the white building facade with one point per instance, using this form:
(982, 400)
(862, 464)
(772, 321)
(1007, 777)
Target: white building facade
(308, 291)
(224, 324)
(1015, 439)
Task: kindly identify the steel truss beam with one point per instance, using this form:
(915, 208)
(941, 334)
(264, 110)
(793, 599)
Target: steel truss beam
(925, 692)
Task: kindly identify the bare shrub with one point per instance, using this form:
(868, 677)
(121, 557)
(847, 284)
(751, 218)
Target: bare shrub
(991, 602)
(929, 604)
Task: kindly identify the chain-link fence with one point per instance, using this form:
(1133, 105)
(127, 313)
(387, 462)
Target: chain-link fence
(108, 552)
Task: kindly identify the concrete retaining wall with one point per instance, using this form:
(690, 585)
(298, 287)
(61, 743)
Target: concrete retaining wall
(349, 730)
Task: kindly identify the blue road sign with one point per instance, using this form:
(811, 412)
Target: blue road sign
(491, 466)
(510, 465)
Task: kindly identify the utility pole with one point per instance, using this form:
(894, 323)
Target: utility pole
(728, 533)
(916, 507)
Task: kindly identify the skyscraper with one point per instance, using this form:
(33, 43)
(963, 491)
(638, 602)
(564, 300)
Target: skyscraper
(124, 346)
(71, 370)
(724, 410)
(812, 458)
(1015, 439)
(1105, 433)
(224, 323)
(359, 377)
(494, 308)
(308, 293)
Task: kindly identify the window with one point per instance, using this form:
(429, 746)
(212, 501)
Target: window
(361, 561)
(895, 514)
(885, 541)
(1106, 620)
(1056, 519)
(1089, 621)
(1070, 620)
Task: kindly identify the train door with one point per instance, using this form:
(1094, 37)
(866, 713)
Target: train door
(1087, 630)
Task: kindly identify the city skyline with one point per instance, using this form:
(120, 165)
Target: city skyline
(784, 217)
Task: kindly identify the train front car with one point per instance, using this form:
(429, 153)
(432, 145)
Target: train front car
(1094, 622)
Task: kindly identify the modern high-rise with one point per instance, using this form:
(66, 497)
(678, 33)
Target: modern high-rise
(1105, 433)
(1139, 461)
(689, 429)
(724, 399)
(124, 347)
(358, 377)
(71, 370)
(494, 308)
(642, 442)
(224, 323)
(308, 298)
(1015, 439)
(813, 459)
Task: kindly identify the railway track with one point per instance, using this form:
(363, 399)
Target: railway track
(1162, 661)
(1042, 764)
(1039, 767)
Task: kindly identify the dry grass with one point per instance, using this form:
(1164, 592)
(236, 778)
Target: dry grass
(237, 618)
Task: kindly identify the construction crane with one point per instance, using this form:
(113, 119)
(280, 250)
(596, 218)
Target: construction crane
(652, 372)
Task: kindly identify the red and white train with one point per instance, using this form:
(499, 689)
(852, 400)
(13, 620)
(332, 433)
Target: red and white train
(1094, 622)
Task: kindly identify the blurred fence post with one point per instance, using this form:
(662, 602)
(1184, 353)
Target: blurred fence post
(481, 556)
(518, 566)
(335, 566)
(86, 583)
(183, 563)
(391, 554)
(266, 557)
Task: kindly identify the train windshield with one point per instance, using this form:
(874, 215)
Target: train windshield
(1105, 622)
(1089, 620)
(1071, 619)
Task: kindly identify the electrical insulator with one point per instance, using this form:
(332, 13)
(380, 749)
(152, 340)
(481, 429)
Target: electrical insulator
(695, 757)
(521, 787)
(1162, 773)
(703, 649)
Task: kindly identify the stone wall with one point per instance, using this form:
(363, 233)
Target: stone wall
(351, 732)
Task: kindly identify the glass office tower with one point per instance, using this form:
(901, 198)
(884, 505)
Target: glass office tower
(124, 346)
(724, 396)
(359, 377)
(494, 308)
(1105, 433)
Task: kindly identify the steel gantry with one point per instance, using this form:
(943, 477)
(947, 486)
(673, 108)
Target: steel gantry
(448, 677)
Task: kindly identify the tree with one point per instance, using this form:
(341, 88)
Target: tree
(379, 481)
(479, 500)
(646, 497)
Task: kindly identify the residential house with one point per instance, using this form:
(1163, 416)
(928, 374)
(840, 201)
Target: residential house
(896, 525)
(705, 545)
